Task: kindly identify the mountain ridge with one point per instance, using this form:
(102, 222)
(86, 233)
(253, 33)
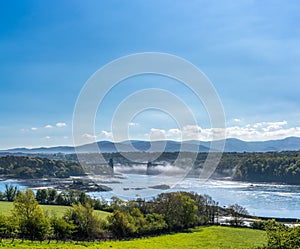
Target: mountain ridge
(231, 145)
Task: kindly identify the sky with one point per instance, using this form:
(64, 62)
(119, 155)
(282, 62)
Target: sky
(250, 51)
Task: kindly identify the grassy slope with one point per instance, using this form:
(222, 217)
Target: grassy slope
(6, 207)
(208, 237)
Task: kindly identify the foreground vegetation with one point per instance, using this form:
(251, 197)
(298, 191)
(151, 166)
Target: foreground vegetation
(206, 237)
(280, 236)
(168, 212)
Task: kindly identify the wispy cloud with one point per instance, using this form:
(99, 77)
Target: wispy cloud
(34, 128)
(48, 126)
(47, 137)
(157, 134)
(106, 135)
(89, 136)
(133, 124)
(61, 124)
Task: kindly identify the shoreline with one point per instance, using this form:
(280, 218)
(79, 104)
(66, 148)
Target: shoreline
(65, 184)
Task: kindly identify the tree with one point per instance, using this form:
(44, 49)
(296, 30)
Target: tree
(31, 219)
(61, 199)
(117, 203)
(52, 195)
(8, 226)
(120, 225)
(137, 219)
(42, 196)
(10, 192)
(281, 237)
(62, 229)
(88, 224)
(154, 223)
(83, 198)
(100, 204)
(178, 210)
(237, 213)
(211, 208)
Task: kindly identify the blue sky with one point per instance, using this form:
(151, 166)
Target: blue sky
(248, 49)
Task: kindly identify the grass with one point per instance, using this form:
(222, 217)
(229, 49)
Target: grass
(207, 237)
(214, 237)
(6, 207)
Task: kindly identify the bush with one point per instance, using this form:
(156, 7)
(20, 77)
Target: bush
(30, 216)
(258, 224)
(281, 237)
(88, 224)
(62, 230)
(120, 225)
(8, 227)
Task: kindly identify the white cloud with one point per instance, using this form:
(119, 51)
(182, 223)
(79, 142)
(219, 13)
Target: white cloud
(154, 130)
(157, 134)
(106, 135)
(190, 132)
(48, 126)
(269, 126)
(89, 136)
(61, 124)
(174, 134)
(133, 124)
(237, 120)
(260, 131)
(34, 128)
(174, 131)
(47, 137)
(263, 131)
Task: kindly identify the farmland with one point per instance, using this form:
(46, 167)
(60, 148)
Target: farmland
(6, 207)
(213, 237)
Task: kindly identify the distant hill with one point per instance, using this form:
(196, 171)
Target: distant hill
(231, 145)
(290, 143)
(56, 149)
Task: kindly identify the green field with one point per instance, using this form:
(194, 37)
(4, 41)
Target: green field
(208, 237)
(205, 237)
(6, 207)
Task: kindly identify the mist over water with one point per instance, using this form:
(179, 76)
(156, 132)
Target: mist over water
(167, 169)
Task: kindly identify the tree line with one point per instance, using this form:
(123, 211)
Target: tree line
(168, 212)
(35, 167)
(279, 236)
(51, 196)
(282, 167)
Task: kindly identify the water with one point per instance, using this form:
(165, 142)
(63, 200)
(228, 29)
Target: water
(260, 199)
(11, 182)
